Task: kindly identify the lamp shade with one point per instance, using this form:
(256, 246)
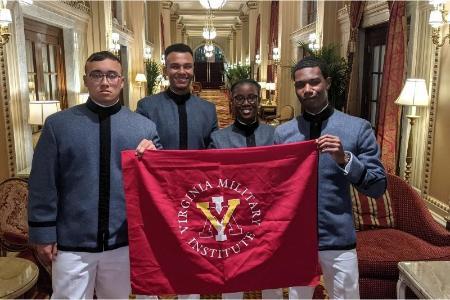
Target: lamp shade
(5, 17)
(140, 78)
(270, 86)
(414, 93)
(40, 110)
(435, 18)
(262, 84)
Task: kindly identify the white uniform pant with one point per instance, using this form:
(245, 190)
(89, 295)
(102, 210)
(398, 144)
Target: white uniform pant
(340, 276)
(75, 275)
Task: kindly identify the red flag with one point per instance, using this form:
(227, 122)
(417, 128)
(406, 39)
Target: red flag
(212, 221)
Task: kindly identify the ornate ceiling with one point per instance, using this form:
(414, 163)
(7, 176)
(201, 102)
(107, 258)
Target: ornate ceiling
(192, 16)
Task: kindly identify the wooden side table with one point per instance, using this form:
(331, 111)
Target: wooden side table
(17, 276)
(427, 279)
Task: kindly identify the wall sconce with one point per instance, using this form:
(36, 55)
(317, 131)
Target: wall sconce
(313, 44)
(115, 46)
(5, 20)
(270, 86)
(247, 61)
(258, 59)
(414, 93)
(438, 16)
(147, 54)
(163, 59)
(140, 79)
(40, 110)
(276, 55)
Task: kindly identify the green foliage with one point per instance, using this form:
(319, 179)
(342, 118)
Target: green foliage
(152, 70)
(236, 73)
(337, 68)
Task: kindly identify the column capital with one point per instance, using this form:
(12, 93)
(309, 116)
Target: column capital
(252, 4)
(243, 18)
(166, 4)
(174, 17)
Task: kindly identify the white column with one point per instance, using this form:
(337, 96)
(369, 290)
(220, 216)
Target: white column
(238, 40)
(165, 11)
(288, 22)
(245, 39)
(252, 18)
(264, 11)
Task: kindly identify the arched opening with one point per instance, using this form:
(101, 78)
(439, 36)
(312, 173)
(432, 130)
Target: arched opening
(209, 70)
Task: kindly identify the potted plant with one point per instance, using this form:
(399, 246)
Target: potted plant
(236, 73)
(153, 73)
(337, 68)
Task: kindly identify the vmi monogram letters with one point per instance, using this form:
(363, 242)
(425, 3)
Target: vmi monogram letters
(219, 225)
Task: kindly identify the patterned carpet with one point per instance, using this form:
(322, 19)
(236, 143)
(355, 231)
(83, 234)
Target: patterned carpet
(220, 99)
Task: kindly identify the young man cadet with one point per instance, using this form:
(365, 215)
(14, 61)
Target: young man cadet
(246, 131)
(183, 121)
(76, 207)
(349, 154)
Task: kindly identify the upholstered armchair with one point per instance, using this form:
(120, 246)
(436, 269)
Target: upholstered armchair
(410, 234)
(14, 230)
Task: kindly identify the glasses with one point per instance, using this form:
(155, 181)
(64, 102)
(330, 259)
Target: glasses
(239, 99)
(98, 76)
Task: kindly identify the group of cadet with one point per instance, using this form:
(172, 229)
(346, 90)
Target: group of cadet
(77, 216)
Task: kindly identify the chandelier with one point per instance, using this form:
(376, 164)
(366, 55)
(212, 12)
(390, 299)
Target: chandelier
(209, 32)
(209, 48)
(212, 4)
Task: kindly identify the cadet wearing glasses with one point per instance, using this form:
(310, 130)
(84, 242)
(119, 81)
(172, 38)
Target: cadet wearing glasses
(246, 131)
(76, 207)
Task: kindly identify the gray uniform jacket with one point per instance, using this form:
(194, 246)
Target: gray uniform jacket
(64, 183)
(201, 120)
(365, 171)
(233, 137)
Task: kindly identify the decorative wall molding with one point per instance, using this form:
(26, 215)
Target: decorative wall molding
(80, 5)
(302, 34)
(375, 12)
(5, 99)
(431, 124)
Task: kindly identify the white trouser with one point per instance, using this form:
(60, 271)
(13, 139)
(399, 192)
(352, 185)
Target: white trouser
(340, 276)
(75, 275)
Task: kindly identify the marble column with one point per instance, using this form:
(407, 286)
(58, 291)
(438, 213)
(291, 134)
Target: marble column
(245, 39)
(252, 18)
(289, 21)
(238, 46)
(264, 11)
(154, 23)
(165, 11)
(230, 57)
(173, 28)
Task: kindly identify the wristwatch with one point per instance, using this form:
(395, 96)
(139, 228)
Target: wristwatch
(347, 157)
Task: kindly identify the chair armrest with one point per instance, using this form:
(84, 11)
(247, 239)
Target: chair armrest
(411, 214)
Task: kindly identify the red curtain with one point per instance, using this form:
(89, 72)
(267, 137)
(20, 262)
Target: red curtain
(163, 46)
(355, 15)
(257, 37)
(393, 74)
(273, 37)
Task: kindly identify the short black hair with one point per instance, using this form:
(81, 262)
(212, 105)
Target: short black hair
(311, 62)
(100, 56)
(245, 81)
(180, 47)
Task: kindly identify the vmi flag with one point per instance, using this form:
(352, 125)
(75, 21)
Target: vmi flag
(212, 221)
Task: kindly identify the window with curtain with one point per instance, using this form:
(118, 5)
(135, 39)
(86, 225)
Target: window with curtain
(374, 50)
